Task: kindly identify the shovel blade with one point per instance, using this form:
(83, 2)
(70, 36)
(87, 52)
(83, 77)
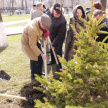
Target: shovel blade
(4, 75)
(58, 68)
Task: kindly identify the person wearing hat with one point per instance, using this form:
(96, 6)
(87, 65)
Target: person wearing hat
(32, 33)
(34, 8)
(57, 30)
(38, 12)
(98, 14)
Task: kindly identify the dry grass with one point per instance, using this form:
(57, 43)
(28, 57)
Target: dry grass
(15, 17)
(16, 64)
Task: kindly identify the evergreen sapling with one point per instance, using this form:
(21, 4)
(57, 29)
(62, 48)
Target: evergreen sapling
(84, 79)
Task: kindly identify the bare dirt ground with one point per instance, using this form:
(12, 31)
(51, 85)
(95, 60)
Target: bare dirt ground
(28, 92)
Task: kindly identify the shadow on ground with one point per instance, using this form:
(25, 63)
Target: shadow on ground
(1, 50)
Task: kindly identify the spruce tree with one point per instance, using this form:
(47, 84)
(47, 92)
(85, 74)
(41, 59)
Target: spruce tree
(84, 79)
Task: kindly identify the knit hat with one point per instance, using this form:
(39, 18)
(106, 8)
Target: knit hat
(46, 21)
(34, 5)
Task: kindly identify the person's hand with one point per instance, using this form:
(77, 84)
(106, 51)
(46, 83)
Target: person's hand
(43, 57)
(45, 42)
(52, 47)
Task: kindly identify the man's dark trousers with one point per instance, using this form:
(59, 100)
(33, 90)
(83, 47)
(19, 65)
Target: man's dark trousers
(36, 66)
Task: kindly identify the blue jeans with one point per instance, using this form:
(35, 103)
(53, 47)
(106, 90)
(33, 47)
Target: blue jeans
(36, 66)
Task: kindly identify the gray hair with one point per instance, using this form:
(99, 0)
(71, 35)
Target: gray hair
(97, 12)
(39, 4)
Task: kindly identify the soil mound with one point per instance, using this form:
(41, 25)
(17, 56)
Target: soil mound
(31, 94)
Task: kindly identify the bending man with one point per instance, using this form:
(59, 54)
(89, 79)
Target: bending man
(32, 33)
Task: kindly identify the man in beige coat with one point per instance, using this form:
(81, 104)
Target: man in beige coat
(32, 33)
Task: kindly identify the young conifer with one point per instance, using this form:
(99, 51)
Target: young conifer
(84, 79)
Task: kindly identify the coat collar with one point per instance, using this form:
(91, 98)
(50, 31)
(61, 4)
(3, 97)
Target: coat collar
(40, 32)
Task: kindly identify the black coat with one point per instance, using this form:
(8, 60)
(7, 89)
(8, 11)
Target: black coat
(104, 28)
(57, 29)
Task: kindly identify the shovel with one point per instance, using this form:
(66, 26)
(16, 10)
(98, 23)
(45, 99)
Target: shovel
(57, 66)
(45, 62)
(18, 97)
(4, 75)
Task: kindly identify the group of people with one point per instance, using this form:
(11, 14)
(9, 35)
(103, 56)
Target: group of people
(52, 23)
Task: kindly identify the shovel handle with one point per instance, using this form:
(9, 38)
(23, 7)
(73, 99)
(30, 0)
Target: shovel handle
(12, 96)
(45, 62)
(54, 53)
(55, 56)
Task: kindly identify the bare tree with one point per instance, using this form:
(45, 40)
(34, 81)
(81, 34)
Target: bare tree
(33, 1)
(3, 4)
(62, 2)
(12, 7)
(26, 6)
(72, 3)
(22, 4)
(78, 1)
(104, 4)
(50, 3)
(0, 17)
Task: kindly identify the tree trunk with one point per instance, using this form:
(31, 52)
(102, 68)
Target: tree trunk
(3, 38)
(0, 17)
(26, 6)
(62, 2)
(50, 2)
(3, 4)
(104, 4)
(12, 7)
(72, 3)
(33, 1)
(22, 4)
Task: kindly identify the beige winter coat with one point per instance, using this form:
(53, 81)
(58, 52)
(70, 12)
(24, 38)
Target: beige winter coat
(30, 36)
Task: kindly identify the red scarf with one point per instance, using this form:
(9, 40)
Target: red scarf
(45, 33)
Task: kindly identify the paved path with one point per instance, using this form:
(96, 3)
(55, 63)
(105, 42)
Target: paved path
(15, 22)
(14, 30)
(17, 30)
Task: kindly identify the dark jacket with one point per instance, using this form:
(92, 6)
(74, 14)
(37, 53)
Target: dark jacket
(87, 12)
(57, 29)
(104, 28)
